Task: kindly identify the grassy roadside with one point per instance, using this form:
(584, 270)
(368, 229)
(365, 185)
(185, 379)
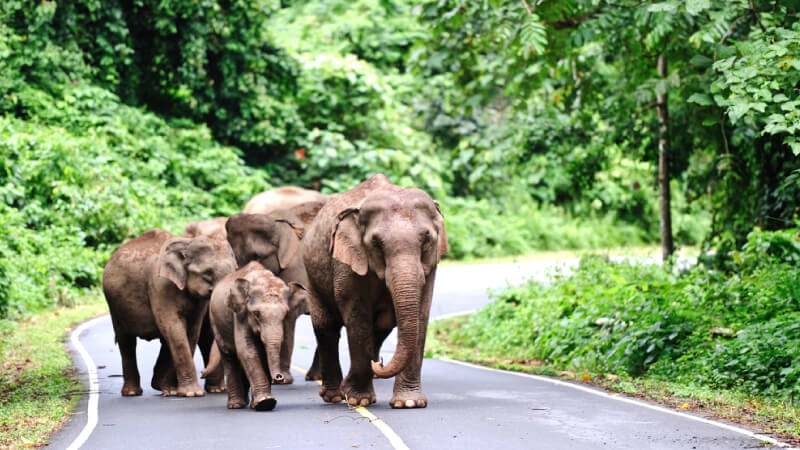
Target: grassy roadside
(776, 417)
(38, 384)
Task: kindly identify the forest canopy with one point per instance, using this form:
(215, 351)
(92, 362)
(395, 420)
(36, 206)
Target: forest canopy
(536, 124)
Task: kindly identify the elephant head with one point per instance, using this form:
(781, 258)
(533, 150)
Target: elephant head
(195, 265)
(270, 239)
(400, 237)
(261, 301)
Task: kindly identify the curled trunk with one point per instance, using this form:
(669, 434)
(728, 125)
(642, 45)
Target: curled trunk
(406, 289)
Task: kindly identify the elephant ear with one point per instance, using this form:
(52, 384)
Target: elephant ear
(171, 262)
(346, 245)
(298, 298)
(237, 297)
(290, 232)
(444, 247)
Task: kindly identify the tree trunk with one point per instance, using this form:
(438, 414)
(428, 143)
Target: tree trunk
(667, 247)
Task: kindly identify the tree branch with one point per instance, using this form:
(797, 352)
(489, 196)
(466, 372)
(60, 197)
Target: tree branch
(527, 8)
(572, 22)
(758, 18)
(730, 29)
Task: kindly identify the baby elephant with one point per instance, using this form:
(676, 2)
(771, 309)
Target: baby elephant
(247, 310)
(158, 286)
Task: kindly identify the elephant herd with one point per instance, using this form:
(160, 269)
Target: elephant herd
(364, 259)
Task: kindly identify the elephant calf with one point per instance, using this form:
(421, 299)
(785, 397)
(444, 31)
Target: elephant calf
(247, 311)
(158, 286)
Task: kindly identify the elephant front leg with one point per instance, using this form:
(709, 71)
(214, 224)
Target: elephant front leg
(130, 372)
(181, 352)
(249, 356)
(327, 333)
(357, 386)
(237, 383)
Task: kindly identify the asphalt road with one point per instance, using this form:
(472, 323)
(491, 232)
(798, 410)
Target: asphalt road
(468, 407)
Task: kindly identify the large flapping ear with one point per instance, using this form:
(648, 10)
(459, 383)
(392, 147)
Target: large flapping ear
(290, 232)
(346, 245)
(237, 297)
(444, 247)
(298, 298)
(171, 262)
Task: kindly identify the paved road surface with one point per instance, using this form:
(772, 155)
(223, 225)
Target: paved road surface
(468, 407)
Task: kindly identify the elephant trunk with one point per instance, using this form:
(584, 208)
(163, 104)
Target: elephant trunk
(405, 281)
(272, 344)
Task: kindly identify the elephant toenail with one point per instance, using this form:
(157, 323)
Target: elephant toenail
(410, 403)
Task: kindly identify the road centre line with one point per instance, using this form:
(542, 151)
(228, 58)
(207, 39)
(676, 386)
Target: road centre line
(94, 386)
(394, 439)
(609, 395)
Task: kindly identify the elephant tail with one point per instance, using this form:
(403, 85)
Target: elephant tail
(214, 361)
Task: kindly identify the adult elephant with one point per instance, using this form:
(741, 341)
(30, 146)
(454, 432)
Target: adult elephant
(275, 241)
(157, 287)
(285, 197)
(371, 257)
(247, 311)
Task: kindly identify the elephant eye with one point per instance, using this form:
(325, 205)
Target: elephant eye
(208, 275)
(426, 238)
(376, 242)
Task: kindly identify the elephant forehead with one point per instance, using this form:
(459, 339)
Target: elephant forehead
(265, 281)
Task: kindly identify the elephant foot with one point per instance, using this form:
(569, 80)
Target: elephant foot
(131, 390)
(330, 395)
(190, 390)
(313, 376)
(263, 402)
(236, 404)
(215, 388)
(287, 378)
(358, 397)
(408, 399)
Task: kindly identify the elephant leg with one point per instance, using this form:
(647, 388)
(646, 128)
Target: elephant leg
(130, 372)
(215, 380)
(237, 383)
(164, 378)
(408, 383)
(314, 372)
(327, 331)
(181, 346)
(251, 356)
(357, 386)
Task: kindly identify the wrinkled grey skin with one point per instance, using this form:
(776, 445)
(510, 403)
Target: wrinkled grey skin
(285, 197)
(275, 241)
(371, 257)
(157, 287)
(247, 313)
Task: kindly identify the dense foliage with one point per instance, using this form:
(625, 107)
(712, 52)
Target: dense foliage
(733, 329)
(531, 122)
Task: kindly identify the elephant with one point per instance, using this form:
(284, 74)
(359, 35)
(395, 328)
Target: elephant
(247, 311)
(275, 241)
(157, 286)
(213, 228)
(371, 256)
(284, 197)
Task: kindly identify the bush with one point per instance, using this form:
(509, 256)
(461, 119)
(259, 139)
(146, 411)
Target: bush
(736, 330)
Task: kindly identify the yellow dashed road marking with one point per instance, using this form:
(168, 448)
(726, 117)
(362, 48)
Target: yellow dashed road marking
(387, 431)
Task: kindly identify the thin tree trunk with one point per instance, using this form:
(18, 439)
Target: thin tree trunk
(667, 247)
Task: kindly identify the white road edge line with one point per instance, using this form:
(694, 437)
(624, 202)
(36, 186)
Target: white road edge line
(631, 401)
(94, 386)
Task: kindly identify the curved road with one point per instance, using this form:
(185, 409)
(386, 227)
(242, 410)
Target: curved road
(469, 407)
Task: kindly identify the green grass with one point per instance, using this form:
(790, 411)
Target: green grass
(38, 384)
(780, 417)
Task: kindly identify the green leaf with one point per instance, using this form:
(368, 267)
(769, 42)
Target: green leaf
(663, 7)
(695, 7)
(700, 99)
